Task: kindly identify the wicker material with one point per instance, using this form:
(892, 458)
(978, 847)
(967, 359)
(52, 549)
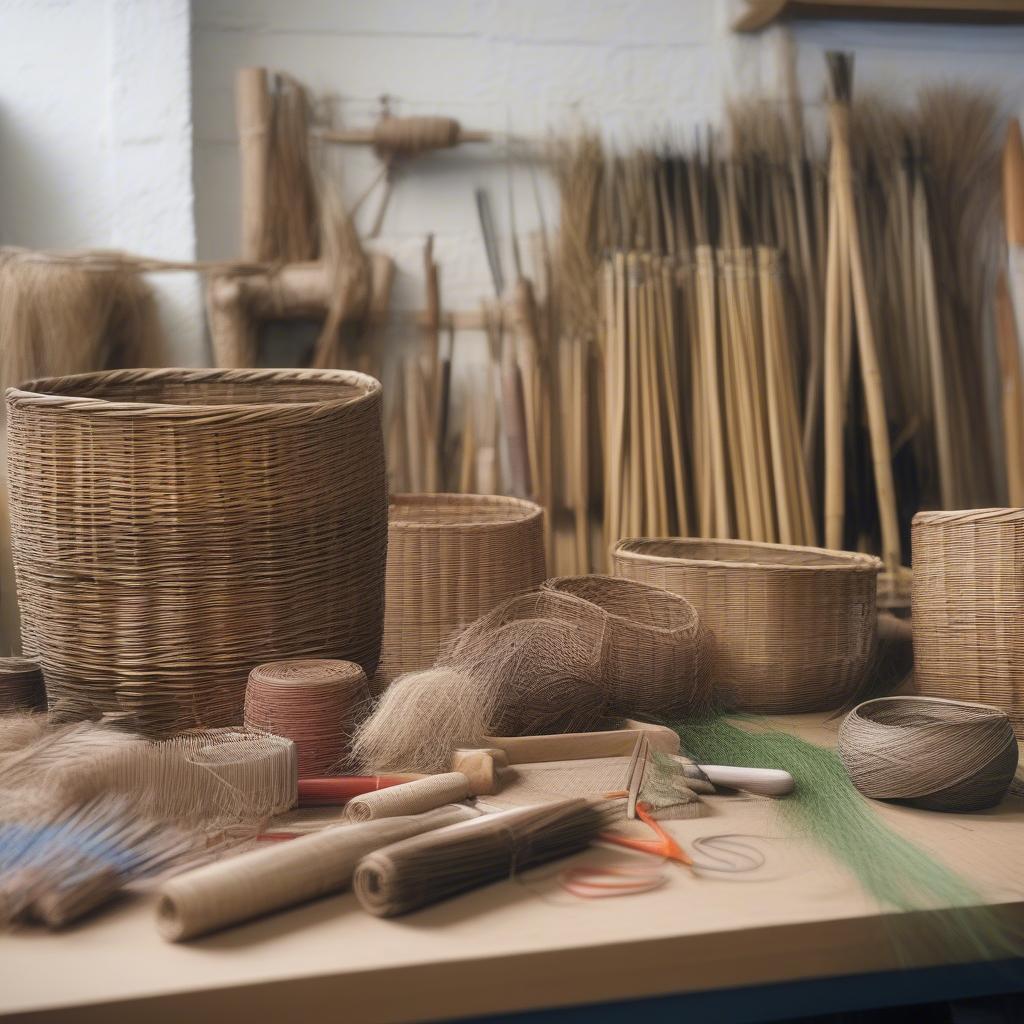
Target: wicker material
(793, 627)
(658, 650)
(968, 607)
(451, 559)
(21, 686)
(173, 528)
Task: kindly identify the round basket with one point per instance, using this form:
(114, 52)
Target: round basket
(173, 528)
(451, 559)
(793, 627)
(658, 650)
(968, 607)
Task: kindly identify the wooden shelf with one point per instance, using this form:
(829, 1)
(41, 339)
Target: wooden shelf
(761, 13)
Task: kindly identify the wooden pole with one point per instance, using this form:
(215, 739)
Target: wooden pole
(252, 107)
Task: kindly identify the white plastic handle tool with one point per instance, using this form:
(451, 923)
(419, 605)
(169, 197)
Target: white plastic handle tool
(765, 781)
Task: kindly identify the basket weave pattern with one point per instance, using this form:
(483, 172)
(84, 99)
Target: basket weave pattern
(451, 559)
(657, 648)
(793, 627)
(174, 528)
(968, 607)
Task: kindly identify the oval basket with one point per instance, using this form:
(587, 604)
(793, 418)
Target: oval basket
(793, 627)
(658, 650)
(451, 559)
(968, 607)
(174, 528)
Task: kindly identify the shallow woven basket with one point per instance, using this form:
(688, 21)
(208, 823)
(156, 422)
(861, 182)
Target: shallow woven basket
(658, 651)
(174, 528)
(968, 607)
(451, 559)
(793, 627)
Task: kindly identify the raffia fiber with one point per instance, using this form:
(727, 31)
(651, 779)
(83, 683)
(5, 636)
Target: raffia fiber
(451, 558)
(658, 651)
(21, 686)
(410, 797)
(968, 607)
(313, 702)
(793, 627)
(939, 754)
(535, 664)
(173, 528)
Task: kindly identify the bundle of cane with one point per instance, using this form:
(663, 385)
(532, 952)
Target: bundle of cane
(435, 866)
(283, 875)
(56, 866)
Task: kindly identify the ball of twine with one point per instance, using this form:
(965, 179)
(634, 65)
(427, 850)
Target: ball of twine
(942, 755)
(21, 686)
(314, 703)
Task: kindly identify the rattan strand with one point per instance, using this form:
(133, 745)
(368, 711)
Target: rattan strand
(174, 528)
(968, 607)
(658, 651)
(793, 627)
(21, 686)
(314, 703)
(451, 559)
(943, 755)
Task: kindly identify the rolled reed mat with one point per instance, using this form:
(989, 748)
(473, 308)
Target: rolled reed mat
(410, 797)
(21, 686)
(282, 875)
(427, 868)
(314, 703)
(943, 755)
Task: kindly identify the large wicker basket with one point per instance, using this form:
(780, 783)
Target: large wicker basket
(174, 528)
(451, 559)
(793, 627)
(968, 607)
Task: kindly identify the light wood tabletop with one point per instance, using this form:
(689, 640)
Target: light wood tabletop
(524, 943)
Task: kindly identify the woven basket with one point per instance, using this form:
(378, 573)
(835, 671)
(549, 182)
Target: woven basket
(793, 627)
(451, 559)
(968, 607)
(658, 650)
(174, 528)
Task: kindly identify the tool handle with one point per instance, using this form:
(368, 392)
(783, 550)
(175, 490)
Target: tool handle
(333, 792)
(766, 781)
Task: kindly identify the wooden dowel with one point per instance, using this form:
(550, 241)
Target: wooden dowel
(252, 111)
(835, 396)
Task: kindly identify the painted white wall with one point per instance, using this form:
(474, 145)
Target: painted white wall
(96, 138)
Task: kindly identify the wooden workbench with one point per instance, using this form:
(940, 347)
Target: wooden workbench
(524, 944)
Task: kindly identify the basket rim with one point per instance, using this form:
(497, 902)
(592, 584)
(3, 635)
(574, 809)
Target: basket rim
(838, 561)
(675, 600)
(894, 698)
(968, 515)
(526, 511)
(29, 393)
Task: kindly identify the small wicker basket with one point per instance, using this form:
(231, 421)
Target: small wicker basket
(793, 627)
(451, 559)
(173, 528)
(658, 651)
(968, 607)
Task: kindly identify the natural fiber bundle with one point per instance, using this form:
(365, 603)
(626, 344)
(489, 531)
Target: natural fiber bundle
(658, 651)
(968, 607)
(942, 755)
(314, 703)
(425, 869)
(451, 559)
(410, 797)
(793, 627)
(21, 686)
(281, 875)
(535, 664)
(172, 528)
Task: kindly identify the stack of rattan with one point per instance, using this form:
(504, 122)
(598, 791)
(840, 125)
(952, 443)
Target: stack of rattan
(172, 528)
(314, 703)
(793, 627)
(968, 607)
(658, 651)
(21, 686)
(451, 559)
